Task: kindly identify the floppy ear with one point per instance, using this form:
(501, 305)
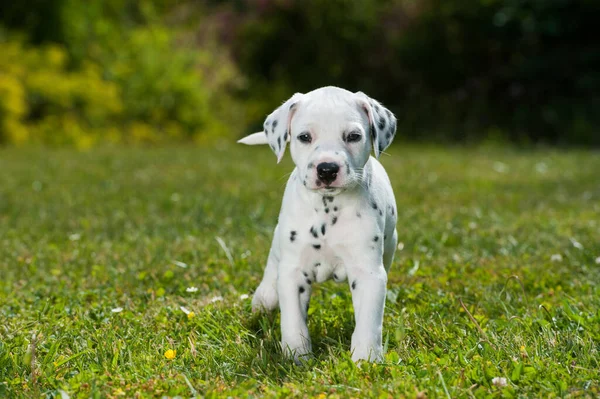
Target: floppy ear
(382, 123)
(277, 125)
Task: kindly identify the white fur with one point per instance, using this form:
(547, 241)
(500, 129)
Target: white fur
(344, 230)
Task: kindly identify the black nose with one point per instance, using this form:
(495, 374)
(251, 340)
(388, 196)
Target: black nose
(327, 171)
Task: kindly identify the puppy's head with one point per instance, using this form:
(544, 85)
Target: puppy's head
(331, 132)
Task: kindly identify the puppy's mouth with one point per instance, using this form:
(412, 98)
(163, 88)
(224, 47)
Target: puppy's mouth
(332, 188)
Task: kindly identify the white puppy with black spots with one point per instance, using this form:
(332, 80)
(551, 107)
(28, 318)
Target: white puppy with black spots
(338, 216)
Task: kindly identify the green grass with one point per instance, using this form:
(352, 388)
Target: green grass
(84, 233)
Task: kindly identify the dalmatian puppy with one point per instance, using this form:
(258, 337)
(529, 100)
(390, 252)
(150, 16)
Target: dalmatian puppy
(338, 215)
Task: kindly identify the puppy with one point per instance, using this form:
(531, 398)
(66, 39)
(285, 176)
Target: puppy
(338, 215)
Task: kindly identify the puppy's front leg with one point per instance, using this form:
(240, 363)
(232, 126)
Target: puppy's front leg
(368, 285)
(294, 296)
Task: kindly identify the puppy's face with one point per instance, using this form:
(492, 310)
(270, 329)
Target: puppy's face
(331, 132)
(330, 142)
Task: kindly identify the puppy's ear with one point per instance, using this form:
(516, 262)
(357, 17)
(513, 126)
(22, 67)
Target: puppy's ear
(382, 123)
(277, 125)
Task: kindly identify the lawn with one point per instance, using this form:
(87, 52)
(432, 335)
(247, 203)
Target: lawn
(114, 260)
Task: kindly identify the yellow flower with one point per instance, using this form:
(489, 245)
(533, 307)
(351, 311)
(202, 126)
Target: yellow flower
(170, 354)
(191, 315)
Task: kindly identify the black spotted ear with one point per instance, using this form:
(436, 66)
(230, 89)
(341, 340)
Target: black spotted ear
(382, 123)
(277, 125)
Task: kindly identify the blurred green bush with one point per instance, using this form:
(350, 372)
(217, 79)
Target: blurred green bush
(520, 70)
(524, 70)
(41, 101)
(113, 80)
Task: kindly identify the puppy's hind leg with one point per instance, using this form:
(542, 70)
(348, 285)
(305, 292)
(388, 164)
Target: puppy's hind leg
(266, 298)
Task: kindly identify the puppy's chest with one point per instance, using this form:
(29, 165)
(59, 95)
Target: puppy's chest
(319, 234)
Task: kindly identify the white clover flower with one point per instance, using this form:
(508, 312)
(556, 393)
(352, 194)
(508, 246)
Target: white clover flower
(556, 258)
(117, 310)
(244, 296)
(576, 244)
(191, 289)
(216, 299)
(185, 310)
(499, 382)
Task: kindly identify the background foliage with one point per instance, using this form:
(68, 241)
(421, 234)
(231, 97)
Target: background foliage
(524, 70)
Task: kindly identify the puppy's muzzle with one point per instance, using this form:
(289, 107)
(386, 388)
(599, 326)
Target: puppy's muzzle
(327, 172)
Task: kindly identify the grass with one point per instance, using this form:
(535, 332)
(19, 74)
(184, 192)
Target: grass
(498, 277)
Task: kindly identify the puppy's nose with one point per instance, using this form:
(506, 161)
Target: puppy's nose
(327, 171)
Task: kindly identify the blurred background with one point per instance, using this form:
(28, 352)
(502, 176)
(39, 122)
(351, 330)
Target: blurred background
(84, 73)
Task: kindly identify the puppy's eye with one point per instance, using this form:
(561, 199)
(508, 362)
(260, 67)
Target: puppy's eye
(305, 137)
(353, 137)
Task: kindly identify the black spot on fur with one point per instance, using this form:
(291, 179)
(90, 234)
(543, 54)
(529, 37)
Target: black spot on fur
(335, 276)
(317, 246)
(385, 236)
(323, 229)
(376, 238)
(381, 123)
(305, 274)
(292, 235)
(324, 201)
(333, 220)
(317, 264)
(304, 182)
(286, 134)
(301, 289)
(326, 210)
(329, 198)
(388, 136)
(313, 231)
(274, 124)
(354, 284)
(311, 165)
(309, 281)
(358, 214)
(279, 142)
(374, 205)
(335, 208)
(380, 212)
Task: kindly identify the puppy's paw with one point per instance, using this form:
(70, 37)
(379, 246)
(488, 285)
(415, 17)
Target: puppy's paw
(265, 298)
(300, 353)
(367, 353)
